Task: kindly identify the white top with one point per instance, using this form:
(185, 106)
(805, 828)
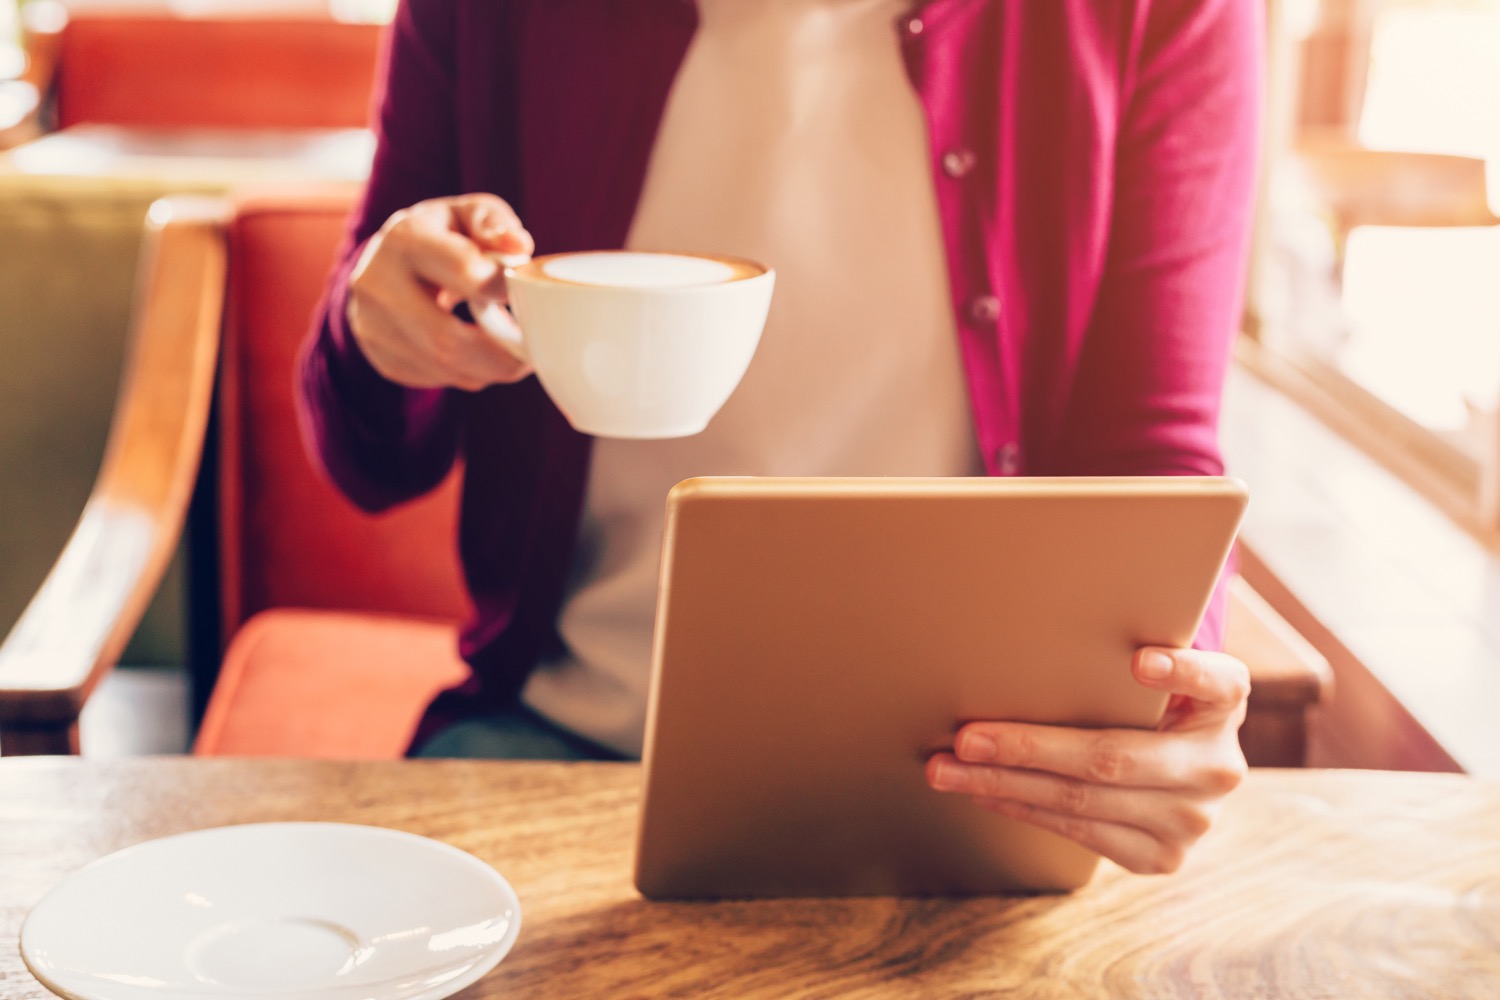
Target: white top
(792, 136)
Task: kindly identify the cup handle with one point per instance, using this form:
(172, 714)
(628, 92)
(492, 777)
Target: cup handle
(493, 318)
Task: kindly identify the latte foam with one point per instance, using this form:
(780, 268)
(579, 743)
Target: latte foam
(623, 269)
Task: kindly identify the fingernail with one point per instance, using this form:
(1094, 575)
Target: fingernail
(977, 747)
(1154, 665)
(946, 776)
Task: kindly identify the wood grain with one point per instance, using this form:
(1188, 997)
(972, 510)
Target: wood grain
(1313, 884)
(1370, 187)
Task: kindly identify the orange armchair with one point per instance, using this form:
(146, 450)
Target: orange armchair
(375, 600)
(378, 597)
(341, 626)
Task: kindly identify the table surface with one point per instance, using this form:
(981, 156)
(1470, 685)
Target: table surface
(1312, 884)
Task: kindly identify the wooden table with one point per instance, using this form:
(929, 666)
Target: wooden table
(1313, 884)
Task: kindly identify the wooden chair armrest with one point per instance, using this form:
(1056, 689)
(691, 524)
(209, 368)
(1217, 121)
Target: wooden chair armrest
(1376, 187)
(75, 627)
(1284, 667)
(1288, 679)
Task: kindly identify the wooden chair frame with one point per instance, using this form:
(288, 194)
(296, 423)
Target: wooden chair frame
(75, 627)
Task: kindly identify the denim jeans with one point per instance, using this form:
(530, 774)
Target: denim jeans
(517, 733)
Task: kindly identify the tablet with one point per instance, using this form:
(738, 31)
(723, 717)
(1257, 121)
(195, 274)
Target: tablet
(817, 639)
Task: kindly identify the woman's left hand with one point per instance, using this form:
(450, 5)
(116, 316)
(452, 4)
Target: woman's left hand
(1139, 797)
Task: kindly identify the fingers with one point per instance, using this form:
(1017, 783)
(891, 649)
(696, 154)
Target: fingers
(422, 346)
(1214, 680)
(422, 262)
(1132, 849)
(1162, 814)
(495, 231)
(491, 223)
(1130, 758)
(443, 260)
(436, 239)
(1139, 797)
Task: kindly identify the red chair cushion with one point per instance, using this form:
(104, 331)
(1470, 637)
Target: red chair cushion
(287, 537)
(166, 72)
(327, 684)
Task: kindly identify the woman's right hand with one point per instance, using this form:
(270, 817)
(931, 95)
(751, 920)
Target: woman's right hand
(423, 262)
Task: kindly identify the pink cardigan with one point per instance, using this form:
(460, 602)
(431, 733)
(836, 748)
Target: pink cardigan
(1095, 162)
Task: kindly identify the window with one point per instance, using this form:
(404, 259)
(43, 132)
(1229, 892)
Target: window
(1375, 296)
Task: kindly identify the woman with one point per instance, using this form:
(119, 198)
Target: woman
(1010, 238)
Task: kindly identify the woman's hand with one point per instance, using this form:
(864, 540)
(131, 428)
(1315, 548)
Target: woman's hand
(1139, 797)
(423, 262)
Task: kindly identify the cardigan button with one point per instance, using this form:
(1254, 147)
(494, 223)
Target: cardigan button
(913, 27)
(1008, 458)
(984, 309)
(958, 162)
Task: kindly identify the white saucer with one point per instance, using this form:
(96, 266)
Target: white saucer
(296, 911)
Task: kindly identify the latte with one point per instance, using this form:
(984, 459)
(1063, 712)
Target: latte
(631, 269)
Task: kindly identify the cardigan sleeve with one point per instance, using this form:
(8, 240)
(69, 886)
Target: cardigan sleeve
(382, 443)
(1154, 358)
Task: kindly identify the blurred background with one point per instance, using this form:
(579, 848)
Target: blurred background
(1362, 408)
(1378, 265)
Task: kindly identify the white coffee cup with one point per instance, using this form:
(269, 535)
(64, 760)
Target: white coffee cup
(635, 345)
